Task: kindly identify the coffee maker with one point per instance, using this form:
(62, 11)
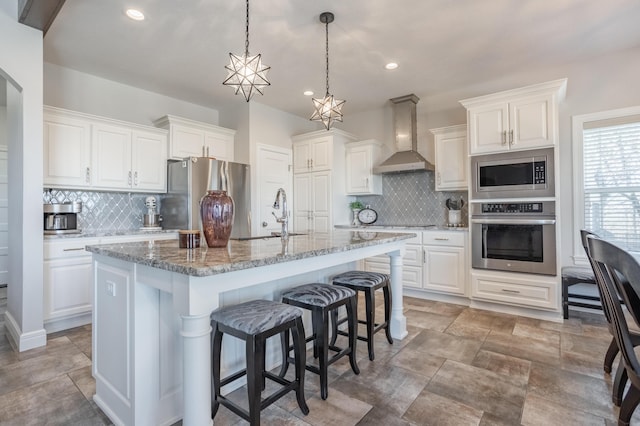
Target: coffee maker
(62, 218)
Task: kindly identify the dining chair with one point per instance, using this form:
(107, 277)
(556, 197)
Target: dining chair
(620, 379)
(618, 278)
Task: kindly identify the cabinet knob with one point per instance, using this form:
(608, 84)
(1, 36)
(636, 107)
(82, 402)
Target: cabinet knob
(264, 224)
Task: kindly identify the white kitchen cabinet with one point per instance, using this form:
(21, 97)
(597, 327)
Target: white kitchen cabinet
(362, 156)
(452, 162)
(68, 278)
(319, 196)
(509, 288)
(444, 256)
(411, 262)
(101, 153)
(189, 138)
(67, 150)
(313, 154)
(519, 119)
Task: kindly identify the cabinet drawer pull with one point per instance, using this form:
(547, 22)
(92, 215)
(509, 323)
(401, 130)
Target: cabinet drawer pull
(441, 239)
(506, 290)
(135, 179)
(129, 178)
(87, 176)
(73, 249)
(511, 142)
(504, 137)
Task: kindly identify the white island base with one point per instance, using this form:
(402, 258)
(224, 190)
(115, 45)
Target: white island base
(151, 329)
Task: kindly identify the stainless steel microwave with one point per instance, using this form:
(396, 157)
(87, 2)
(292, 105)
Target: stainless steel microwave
(519, 174)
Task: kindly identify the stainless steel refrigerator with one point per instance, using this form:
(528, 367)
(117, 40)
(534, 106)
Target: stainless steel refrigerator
(188, 181)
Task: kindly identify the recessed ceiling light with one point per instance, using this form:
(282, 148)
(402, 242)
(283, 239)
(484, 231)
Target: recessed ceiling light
(135, 14)
(391, 66)
(308, 93)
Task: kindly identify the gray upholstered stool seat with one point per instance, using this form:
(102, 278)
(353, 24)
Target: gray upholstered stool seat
(572, 275)
(366, 282)
(321, 299)
(254, 322)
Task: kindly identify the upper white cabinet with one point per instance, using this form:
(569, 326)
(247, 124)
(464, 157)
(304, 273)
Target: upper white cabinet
(189, 138)
(361, 157)
(67, 150)
(524, 118)
(320, 200)
(451, 158)
(313, 155)
(82, 151)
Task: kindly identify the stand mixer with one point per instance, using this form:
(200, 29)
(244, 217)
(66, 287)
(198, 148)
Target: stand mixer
(151, 219)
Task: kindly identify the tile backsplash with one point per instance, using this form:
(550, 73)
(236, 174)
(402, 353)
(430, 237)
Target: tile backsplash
(410, 199)
(104, 211)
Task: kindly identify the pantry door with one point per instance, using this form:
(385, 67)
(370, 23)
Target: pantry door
(273, 171)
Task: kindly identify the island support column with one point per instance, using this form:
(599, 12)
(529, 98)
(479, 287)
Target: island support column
(196, 387)
(398, 320)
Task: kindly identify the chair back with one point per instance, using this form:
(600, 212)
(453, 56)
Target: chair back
(584, 235)
(618, 277)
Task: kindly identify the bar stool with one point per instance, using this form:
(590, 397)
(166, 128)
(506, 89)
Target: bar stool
(321, 299)
(368, 283)
(254, 322)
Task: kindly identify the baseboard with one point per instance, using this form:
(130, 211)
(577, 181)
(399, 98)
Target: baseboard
(55, 325)
(437, 297)
(23, 341)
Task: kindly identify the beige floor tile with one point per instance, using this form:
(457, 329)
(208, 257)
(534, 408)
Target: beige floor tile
(522, 347)
(445, 345)
(337, 409)
(540, 411)
(479, 388)
(516, 368)
(550, 337)
(496, 322)
(84, 381)
(458, 328)
(574, 390)
(379, 416)
(429, 320)
(433, 409)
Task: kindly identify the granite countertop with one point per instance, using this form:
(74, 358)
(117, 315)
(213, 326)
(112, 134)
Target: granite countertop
(239, 255)
(110, 233)
(404, 227)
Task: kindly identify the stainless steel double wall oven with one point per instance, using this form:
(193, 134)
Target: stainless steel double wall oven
(516, 232)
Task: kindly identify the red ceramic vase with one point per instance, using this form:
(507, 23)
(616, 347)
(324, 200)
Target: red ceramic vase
(216, 211)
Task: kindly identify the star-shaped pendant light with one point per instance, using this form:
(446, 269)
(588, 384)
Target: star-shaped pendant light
(328, 109)
(247, 74)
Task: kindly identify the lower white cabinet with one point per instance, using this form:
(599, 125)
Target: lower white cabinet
(433, 260)
(528, 290)
(68, 278)
(445, 269)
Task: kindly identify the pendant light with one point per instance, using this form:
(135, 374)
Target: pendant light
(247, 74)
(328, 109)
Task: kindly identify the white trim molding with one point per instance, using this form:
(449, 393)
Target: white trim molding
(23, 341)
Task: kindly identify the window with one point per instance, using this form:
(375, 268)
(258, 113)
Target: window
(607, 182)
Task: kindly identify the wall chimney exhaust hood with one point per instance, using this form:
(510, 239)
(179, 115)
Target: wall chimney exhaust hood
(407, 158)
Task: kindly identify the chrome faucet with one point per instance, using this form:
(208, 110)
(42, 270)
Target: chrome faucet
(284, 219)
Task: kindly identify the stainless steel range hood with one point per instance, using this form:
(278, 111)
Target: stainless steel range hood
(407, 158)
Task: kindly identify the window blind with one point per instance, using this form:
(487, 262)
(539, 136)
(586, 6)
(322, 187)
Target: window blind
(611, 173)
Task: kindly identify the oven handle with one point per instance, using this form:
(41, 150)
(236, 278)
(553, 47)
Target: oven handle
(505, 221)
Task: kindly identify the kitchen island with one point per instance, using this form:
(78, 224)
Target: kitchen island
(152, 300)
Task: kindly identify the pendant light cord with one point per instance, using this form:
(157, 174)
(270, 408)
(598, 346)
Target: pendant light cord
(246, 42)
(327, 53)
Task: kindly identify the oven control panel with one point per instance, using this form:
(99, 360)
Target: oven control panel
(513, 208)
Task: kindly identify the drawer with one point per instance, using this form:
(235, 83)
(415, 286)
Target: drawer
(515, 290)
(411, 275)
(444, 238)
(68, 247)
(412, 256)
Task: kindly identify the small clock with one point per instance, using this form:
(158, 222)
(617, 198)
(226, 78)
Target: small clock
(367, 216)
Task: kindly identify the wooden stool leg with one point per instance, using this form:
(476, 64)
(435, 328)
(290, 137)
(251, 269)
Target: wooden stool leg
(352, 315)
(370, 306)
(388, 303)
(565, 299)
(321, 320)
(254, 349)
(610, 356)
(216, 346)
(631, 401)
(300, 363)
(334, 327)
(619, 383)
(284, 344)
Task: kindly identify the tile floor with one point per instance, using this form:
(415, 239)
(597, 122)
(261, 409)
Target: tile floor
(457, 366)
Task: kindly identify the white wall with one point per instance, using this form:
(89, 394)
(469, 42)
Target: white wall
(21, 64)
(78, 91)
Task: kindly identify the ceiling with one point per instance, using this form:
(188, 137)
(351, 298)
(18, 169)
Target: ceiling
(441, 46)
